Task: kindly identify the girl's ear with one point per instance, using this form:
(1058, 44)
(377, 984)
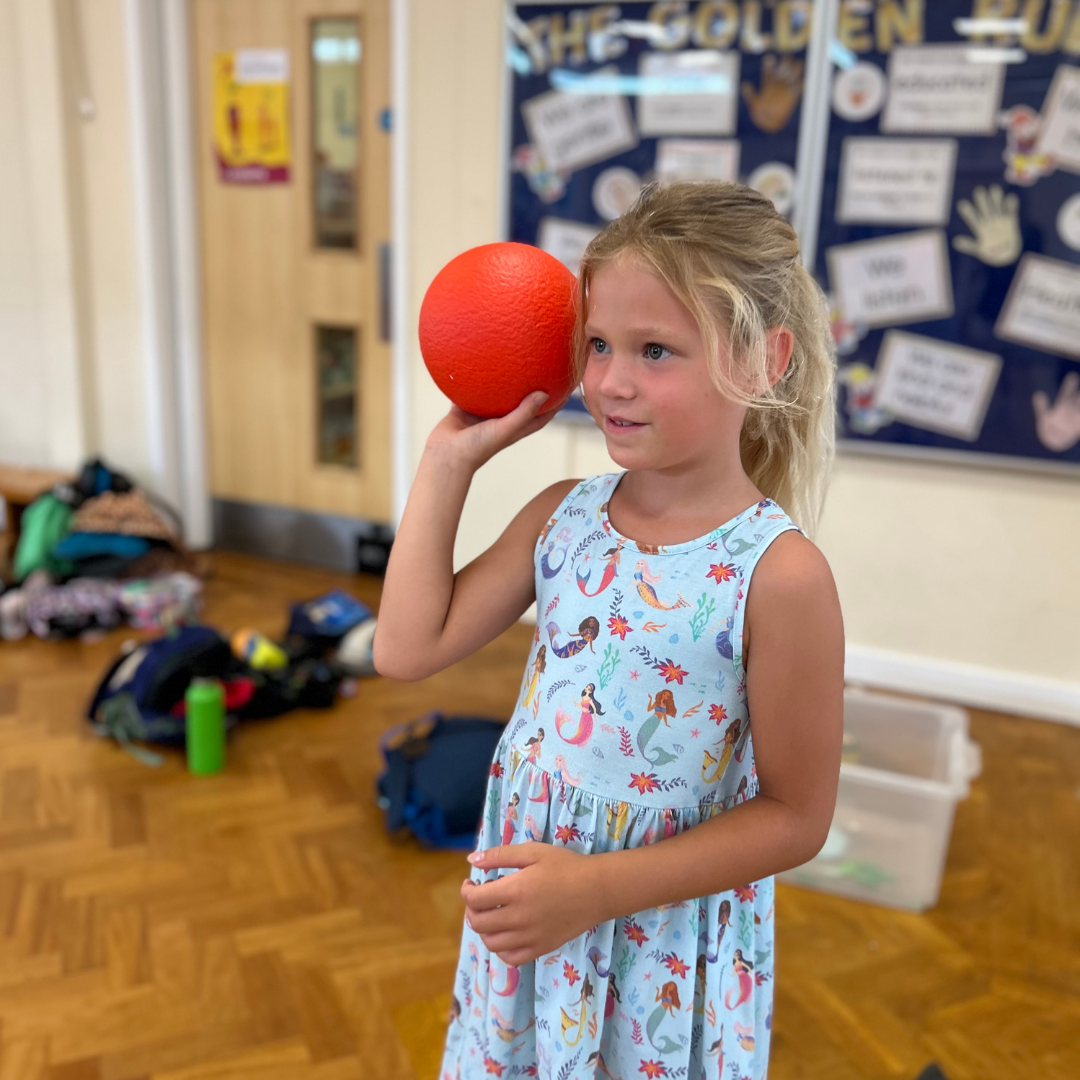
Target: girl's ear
(780, 343)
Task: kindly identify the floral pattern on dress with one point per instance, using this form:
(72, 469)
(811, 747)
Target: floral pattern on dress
(631, 726)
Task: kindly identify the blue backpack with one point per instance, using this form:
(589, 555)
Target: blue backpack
(134, 701)
(436, 775)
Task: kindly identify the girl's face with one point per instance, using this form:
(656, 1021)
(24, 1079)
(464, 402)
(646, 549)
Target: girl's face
(646, 380)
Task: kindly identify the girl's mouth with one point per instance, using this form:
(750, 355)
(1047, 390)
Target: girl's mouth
(620, 424)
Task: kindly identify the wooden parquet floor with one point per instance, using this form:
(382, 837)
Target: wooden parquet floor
(261, 924)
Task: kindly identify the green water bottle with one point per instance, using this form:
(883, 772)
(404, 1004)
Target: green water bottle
(205, 701)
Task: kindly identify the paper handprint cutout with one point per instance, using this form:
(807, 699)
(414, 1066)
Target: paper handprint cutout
(781, 87)
(1058, 425)
(995, 222)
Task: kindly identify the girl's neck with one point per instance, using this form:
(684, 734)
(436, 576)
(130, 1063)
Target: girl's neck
(667, 507)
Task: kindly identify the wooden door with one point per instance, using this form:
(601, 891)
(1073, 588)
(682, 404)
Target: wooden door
(295, 267)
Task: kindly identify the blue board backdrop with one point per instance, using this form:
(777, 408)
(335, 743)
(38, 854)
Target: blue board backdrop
(771, 62)
(1041, 187)
(990, 393)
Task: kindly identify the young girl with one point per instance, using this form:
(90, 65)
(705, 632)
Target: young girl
(628, 932)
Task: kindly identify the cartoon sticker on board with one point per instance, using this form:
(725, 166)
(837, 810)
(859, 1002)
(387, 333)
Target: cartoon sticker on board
(863, 415)
(781, 87)
(994, 221)
(615, 191)
(859, 92)
(1058, 425)
(846, 333)
(1024, 162)
(546, 184)
(776, 181)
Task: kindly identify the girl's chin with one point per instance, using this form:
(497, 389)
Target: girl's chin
(630, 457)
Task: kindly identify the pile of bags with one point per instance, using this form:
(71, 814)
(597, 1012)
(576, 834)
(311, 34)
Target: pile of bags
(94, 554)
(141, 697)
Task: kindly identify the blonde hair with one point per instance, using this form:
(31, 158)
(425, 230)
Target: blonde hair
(733, 261)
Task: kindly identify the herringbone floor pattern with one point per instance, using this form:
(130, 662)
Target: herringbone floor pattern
(261, 924)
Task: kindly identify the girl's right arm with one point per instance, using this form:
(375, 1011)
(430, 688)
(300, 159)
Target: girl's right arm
(430, 617)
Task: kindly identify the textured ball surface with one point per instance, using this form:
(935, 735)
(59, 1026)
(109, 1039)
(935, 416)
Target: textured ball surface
(497, 323)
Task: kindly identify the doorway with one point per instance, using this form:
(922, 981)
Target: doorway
(293, 145)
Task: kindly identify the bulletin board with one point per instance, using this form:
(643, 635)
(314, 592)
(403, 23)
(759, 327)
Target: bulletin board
(949, 238)
(604, 98)
(949, 185)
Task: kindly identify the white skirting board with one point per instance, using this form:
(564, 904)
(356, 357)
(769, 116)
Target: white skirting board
(967, 684)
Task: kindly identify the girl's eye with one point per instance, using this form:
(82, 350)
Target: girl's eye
(657, 352)
(599, 345)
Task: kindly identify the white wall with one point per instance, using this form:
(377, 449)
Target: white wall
(119, 391)
(42, 325)
(955, 581)
(23, 386)
(72, 371)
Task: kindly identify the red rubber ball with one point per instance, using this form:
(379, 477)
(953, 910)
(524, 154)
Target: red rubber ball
(497, 323)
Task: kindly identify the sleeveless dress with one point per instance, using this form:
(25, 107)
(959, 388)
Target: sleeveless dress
(631, 726)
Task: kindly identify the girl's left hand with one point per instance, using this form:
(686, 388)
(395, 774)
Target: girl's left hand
(554, 897)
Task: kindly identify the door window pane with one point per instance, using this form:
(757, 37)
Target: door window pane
(338, 396)
(335, 92)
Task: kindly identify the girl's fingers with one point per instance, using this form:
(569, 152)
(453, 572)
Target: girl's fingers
(506, 941)
(526, 411)
(487, 896)
(496, 921)
(523, 421)
(517, 957)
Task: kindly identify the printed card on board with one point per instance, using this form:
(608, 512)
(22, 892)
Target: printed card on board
(935, 88)
(1042, 308)
(689, 93)
(697, 159)
(572, 129)
(935, 385)
(892, 280)
(1059, 133)
(566, 240)
(896, 181)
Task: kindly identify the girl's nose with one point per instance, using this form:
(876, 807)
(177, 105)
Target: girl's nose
(617, 378)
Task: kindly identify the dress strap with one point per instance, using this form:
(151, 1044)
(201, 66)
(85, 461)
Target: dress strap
(580, 497)
(772, 529)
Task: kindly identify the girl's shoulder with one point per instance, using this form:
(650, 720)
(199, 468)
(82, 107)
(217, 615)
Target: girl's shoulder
(574, 503)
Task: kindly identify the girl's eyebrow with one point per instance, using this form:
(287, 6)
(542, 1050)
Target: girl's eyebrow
(640, 331)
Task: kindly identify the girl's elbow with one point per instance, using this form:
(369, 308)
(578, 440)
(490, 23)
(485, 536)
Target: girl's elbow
(817, 832)
(393, 663)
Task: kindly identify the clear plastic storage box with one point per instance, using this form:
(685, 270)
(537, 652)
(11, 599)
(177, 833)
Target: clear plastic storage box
(905, 767)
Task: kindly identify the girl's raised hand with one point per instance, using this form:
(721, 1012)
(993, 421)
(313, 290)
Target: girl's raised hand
(553, 898)
(475, 440)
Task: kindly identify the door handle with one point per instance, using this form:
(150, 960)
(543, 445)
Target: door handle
(385, 287)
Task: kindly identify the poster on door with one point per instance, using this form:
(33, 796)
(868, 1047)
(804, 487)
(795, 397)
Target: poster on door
(251, 116)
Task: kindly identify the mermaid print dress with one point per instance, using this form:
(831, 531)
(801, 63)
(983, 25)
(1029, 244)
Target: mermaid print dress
(631, 726)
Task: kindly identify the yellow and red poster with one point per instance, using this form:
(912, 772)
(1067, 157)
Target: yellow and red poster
(251, 116)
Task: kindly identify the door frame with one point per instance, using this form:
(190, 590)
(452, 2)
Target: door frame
(165, 175)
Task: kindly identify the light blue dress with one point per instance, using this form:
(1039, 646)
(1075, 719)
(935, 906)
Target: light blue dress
(631, 726)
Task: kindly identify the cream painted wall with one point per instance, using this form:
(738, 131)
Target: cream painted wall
(44, 415)
(72, 378)
(969, 573)
(454, 121)
(118, 392)
(23, 391)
